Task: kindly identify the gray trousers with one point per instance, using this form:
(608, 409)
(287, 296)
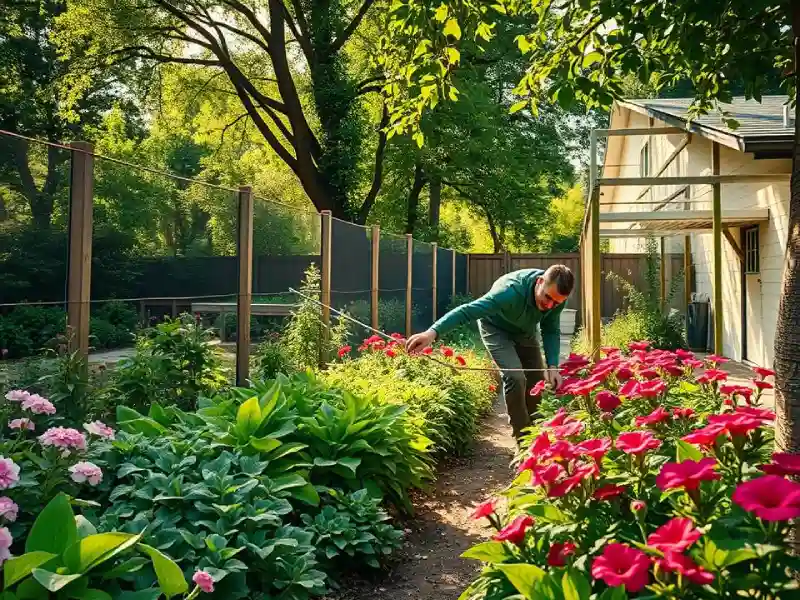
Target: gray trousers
(515, 352)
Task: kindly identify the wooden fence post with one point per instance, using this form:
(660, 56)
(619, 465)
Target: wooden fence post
(79, 266)
(244, 299)
(433, 290)
(325, 296)
(375, 285)
(409, 281)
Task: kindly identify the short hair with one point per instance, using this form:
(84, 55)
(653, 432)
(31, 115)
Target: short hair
(562, 277)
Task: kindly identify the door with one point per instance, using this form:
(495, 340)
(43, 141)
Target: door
(753, 338)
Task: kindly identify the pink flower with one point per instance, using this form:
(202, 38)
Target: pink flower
(5, 544)
(737, 424)
(344, 350)
(676, 562)
(683, 413)
(608, 491)
(761, 414)
(783, 463)
(99, 429)
(771, 498)
(687, 474)
(607, 401)
(559, 552)
(683, 354)
(763, 385)
(674, 370)
(22, 424)
(641, 346)
(514, 532)
(540, 444)
(659, 415)
(713, 376)
(652, 389)
(38, 405)
(609, 350)
(566, 430)
(461, 360)
(637, 442)
(9, 473)
(622, 565)
(86, 471)
(648, 374)
(559, 451)
(594, 448)
(484, 509)
(624, 373)
(204, 581)
(715, 359)
(560, 418)
(675, 536)
(705, 436)
(763, 373)
(8, 509)
(17, 395)
(547, 475)
(693, 363)
(566, 485)
(63, 437)
(537, 389)
(630, 389)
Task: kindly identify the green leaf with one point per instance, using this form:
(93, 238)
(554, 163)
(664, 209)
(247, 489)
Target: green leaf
(490, 552)
(688, 452)
(547, 512)
(441, 13)
(148, 594)
(565, 96)
(55, 529)
(576, 586)
(615, 593)
(30, 589)
(96, 549)
(591, 58)
(170, 577)
(93, 594)
(523, 577)
(452, 28)
(131, 565)
(85, 527)
(307, 493)
(248, 418)
(17, 569)
(453, 55)
(351, 463)
(265, 444)
(54, 581)
(518, 106)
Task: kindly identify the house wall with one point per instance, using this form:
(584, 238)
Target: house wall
(695, 159)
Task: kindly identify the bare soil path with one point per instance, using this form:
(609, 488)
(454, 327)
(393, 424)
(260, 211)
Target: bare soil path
(430, 566)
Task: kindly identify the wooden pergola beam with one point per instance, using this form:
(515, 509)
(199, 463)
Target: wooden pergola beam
(732, 241)
(717, 254)
(693, 180)
(633, 131)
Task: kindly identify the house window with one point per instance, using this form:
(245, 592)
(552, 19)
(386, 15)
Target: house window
(751, 255)
(644, 161)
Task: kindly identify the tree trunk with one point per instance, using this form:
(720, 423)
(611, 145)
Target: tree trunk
(435, 204)
(787, 333)
(413, 198)
(497, 240)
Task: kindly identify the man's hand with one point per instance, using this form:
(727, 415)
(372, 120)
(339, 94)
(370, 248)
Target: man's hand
(419, 341)
(553, 377)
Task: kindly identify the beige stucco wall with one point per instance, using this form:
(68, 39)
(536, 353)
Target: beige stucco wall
(695, 159)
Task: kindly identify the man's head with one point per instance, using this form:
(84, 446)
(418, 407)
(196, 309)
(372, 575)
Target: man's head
(553, 287)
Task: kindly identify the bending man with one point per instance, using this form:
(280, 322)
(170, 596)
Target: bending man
(508, 316)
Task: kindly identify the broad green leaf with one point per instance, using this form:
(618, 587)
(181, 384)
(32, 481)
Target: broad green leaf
(688, 452)
(8, 595)
(148, 594)
(591, 58)
(615, 593)
(55, 529)
(351, 463)
(307, 493)
(170, 577)
(518, 106)
(85, 527)
(131, 565)
(547, 512)
(93, 594)
(18, 568)
(523, 577)
(452, 28)
(441, 13)
(30, 589)
(490, 552)
(96, 549)
(576, 586)
(53, 581)
(453, 55)
(248, 418)
(324, 462)
(265, 444)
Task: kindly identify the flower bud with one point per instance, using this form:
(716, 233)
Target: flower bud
(639, 506)
(607, 417)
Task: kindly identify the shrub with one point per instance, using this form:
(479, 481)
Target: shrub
(113, 325)
(271, 358)
(29, 330)
(645, 481)
(391, 314)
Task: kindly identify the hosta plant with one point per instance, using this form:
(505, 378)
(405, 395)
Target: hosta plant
(650, 476)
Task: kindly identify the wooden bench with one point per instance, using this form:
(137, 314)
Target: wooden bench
(256, 310)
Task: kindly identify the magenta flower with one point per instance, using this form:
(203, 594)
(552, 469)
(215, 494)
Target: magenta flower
(8, 509)
(204, 581)
(687, 474)
(514, 532)
(85, 471)
(637, 442)
(21, 424)
(65, 438)
(659, 415)
(771, 498)
(484, 509)
(9, 473)
(622, 565)
(99, 429)
(675, 535)
(679, 563)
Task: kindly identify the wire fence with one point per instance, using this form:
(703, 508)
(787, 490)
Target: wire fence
(130, 245)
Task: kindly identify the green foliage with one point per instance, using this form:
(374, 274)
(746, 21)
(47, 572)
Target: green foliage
(174, 364)
(28, 330)
(391, 315)
(270, 359)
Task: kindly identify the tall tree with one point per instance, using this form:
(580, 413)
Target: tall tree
(263, 52)
(582, 50)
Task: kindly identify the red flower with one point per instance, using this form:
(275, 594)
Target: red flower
(560, 451)
(565, 486)
(558, 553)
(715, 359)
(492, 387)
(461, 360)
(683, 354)
(652, 389)
(373, 339)
(484, 509)
(771, 498)
(609, 350)
(630, 389)
(674, 536)
(693, 363)
(783, 463)
(622, 565)
(648, 374)
(736, 390)
(344, 350)
(569, 429)
(682, 413)
(638, 346)
(624, 373)
(608, 491)
(736, 424)
(674, 370)
(447, 352)
(397, 336)
(428, 351)
(607, 401)
(763, 385)
(390, 353)
(637, 442)
(687, 474)
(712, 376)
(540, 444)
(537, 389)
(595, 448)
(659, 415)
(560, 418)
(546, 476)
(676, 562)
(759, 413)
(705, 436)
(763, 373)
(528, 464)
(514, 532)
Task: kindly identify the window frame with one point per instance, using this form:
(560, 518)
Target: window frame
(751, 248)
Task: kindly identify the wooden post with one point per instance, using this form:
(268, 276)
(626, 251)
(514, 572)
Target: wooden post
(433, 291)
(662, 244)
(79, 266)
(506, 262)
(409, 281)
(244, 299)
(687, 270)
(717, 235)
(374, 287)
(453, 296)
(325, 296)
(593, 256)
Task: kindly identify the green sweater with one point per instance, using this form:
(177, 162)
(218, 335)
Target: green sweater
(510, 306)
